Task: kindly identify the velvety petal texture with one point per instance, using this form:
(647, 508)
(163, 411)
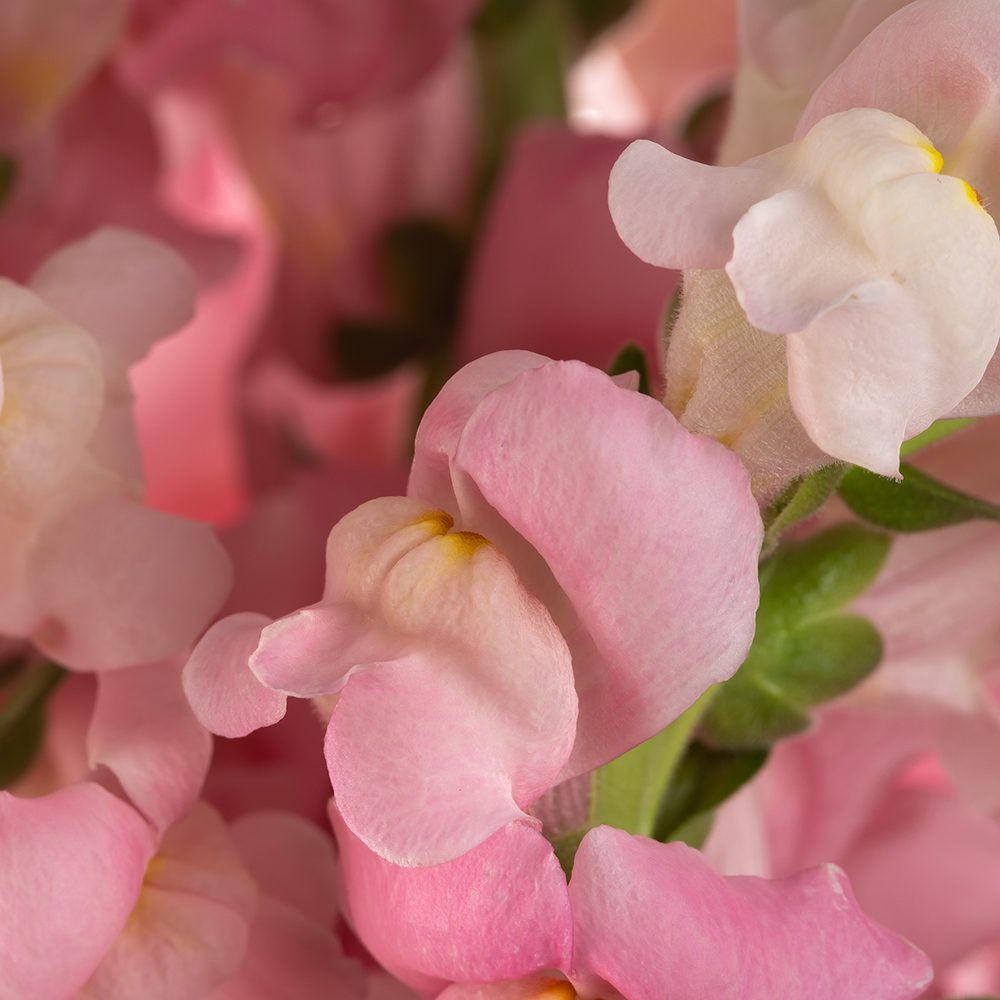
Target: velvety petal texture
(476, 706)
(71, 869)
(623, 513)
(738, 937)
(499, 912)
(226, 697)
(889, 326)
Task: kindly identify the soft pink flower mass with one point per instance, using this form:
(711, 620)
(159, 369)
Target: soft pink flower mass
(488, 505)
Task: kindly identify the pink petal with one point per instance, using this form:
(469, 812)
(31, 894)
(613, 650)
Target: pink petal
(929, 868)
(498, 912)
(52, 392)
(125, 585)
(126, 289)
(439, 431)
(622, 513)
(654, 920)
(908, 65)
(47, 53)
(292, 860)
(190, 927)
(144, 731)
(225, 695)
(338, 52)
(673, 212)
(571, 290)
(289, 955)
(71, 867)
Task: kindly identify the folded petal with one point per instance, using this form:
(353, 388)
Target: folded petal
(189, 930)
(226, 696)
(441, 427)
(650, 533)
(292, 860)
(654, 920)
(126, 289)
(51, 392)
(71, 867)
(673, 212)
(124, 584)
(499, 912)
(289, 955)
(144, 731)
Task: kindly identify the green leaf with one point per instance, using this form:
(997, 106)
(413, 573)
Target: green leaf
(595, 16)
(917, 503)
(632, 359)
(22, 720)
(802, 497)
(819, 574)
(705, 777)
(805, 649)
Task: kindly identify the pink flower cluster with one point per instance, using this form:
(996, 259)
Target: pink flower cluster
(496, 500)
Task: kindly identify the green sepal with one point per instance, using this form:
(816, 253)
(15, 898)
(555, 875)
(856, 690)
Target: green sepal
(805, 649)
(22, 720)
(704, 778)
(631, 358)
(916, 503)
(801, 498)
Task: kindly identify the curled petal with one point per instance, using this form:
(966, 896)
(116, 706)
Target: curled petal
(144, 731)
(620, 514)
(499, 912)
(722, 937)
(225, 695)
(71, 867)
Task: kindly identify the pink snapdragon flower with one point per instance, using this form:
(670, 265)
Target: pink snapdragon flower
(47, 51)
(482, 635)
(865, 788)
(639, 920)
(859, 300)
(652, 67)
(123, 884)
(338, 53)
(91, 575)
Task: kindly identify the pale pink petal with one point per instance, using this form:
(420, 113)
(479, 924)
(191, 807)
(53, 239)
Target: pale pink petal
(498, 912)
(673, 212)
(144, 731)
(71, 867)
(668, 54)
(439, 431)
(312, 651)
(337, 51)
(188, 932)
(124, 585)
(289, 955)
(225, 695)
(292, 860)
(126, 289)
(739, 937)
(46, 52)
(621, 513)
(52, 391)
(929, 868)
(781, 282)
(570, 289)
(936, 64)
